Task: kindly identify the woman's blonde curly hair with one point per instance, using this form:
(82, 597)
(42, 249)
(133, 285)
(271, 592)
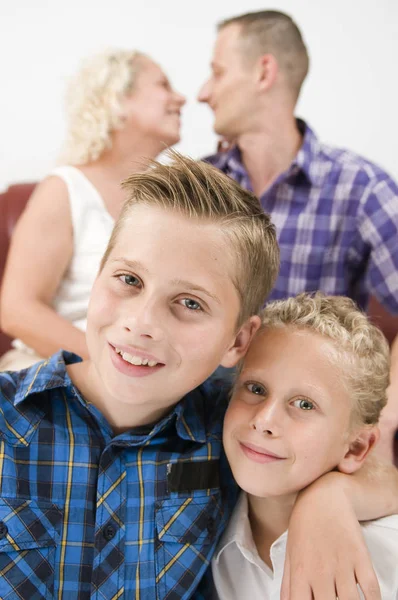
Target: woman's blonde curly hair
(93, 103)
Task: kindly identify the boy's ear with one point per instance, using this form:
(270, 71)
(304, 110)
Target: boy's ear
(241, 342)
(359, 449)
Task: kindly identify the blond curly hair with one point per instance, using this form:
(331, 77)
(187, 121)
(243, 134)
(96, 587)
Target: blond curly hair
(361, 349)
(93, 103)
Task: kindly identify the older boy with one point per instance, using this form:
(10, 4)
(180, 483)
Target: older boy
(111, 472)
(306, 401)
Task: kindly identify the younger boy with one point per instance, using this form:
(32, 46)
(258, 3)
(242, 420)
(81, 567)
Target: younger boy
(306, 401)
(112, 483)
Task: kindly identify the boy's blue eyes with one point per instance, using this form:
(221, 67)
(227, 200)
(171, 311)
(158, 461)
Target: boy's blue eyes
(191, 304)
(133, 281)
(130, 280)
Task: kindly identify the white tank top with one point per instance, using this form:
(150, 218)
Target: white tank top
(92, 226)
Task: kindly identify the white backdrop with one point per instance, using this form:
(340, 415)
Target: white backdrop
(350, 97)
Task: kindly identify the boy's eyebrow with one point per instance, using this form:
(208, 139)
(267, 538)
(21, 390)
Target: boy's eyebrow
(133, 264)
(195, 288)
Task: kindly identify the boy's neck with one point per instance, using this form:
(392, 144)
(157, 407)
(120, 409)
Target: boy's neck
(269, 518)
(120, 416)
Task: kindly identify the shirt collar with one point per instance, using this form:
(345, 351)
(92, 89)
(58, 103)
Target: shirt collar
(19, 417)
(239, 532)
(45, 375)
(306, 158)
(190, 413)
(304, 162)
(191, 417)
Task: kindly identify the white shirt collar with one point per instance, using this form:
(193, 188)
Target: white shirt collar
(239, 532)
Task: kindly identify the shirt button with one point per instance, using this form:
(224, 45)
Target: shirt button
(3, 530)
(109, 532)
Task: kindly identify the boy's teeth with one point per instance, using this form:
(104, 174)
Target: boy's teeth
(136, 360)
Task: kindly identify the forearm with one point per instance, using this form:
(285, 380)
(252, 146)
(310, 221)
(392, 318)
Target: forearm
(42, 329)
(363, 489)
(326, 554)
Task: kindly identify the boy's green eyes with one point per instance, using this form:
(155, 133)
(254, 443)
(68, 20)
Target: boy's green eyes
(256, 388)
(304, 404)
(259, 390)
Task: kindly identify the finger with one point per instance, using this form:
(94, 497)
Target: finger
(285, 595)
(346, 587)
(323, 587)
(368, 583)
(296, 588)
(300, 591)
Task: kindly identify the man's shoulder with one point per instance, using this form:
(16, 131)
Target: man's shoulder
(344, 160)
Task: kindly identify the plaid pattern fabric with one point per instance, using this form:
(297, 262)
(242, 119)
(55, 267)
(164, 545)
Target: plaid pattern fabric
(336, 216)
(87, 515)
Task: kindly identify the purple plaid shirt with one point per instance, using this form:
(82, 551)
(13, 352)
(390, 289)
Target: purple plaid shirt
(336, 216)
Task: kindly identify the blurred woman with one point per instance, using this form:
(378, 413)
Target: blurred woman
(122, 110)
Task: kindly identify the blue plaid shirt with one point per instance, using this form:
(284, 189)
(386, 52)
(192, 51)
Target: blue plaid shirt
(85, 515)
(336, 216)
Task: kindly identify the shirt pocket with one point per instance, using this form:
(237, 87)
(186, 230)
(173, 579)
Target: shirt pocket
(29, 532)
(187, 530)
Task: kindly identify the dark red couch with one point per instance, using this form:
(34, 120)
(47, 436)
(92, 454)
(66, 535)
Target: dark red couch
(12, 203)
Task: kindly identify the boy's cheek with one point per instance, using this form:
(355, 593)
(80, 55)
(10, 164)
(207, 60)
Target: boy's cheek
(102, 308)
(236, 416)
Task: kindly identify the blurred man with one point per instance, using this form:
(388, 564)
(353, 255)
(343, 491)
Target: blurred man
(336, 213)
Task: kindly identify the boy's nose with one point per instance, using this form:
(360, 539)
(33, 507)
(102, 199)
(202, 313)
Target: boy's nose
(145, 320)
(267, 420)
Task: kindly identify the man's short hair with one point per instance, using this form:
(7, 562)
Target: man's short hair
(274, 32)
(200, 191)
(361, 349)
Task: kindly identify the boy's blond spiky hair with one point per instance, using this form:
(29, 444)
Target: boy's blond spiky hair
(361, 349)
(200, 191)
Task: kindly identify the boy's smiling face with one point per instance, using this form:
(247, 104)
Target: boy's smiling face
(289, 420)
(164, 300)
